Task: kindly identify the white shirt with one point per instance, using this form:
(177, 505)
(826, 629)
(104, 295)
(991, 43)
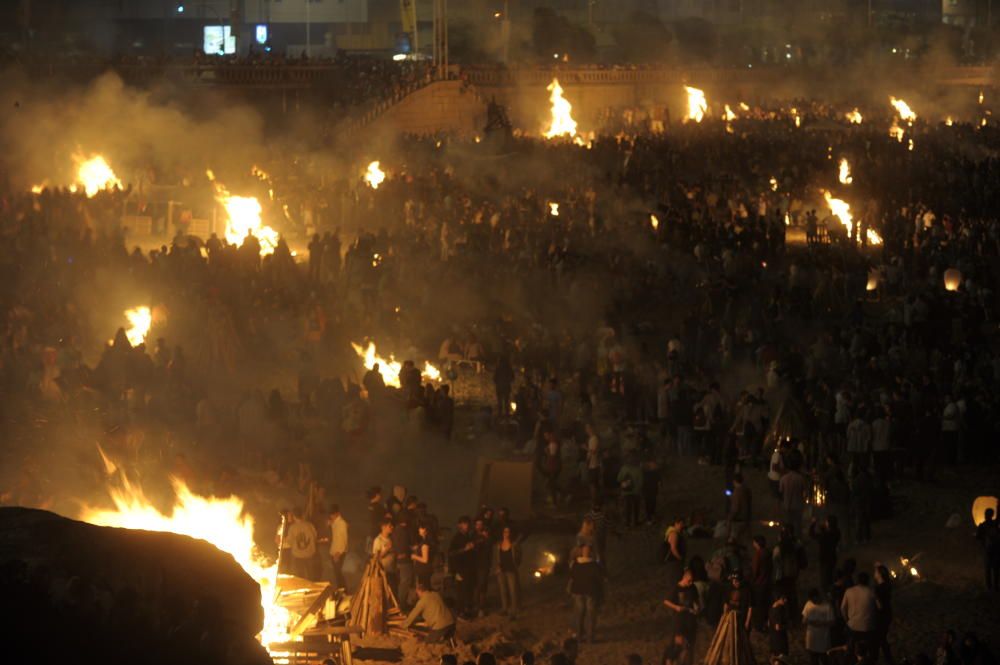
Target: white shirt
(338, 536)
(774, 473)
(817, 619)
(382, 548)
(302, 535)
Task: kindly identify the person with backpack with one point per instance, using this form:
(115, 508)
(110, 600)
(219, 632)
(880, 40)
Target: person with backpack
(988, 535)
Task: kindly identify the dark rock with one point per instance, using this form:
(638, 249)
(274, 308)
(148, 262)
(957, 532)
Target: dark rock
(119, 595)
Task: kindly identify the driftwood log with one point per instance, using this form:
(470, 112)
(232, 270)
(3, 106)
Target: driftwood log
(79, 591)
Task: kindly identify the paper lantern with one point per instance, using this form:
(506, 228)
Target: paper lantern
(979, 507)
(952, 279)
(873, 279)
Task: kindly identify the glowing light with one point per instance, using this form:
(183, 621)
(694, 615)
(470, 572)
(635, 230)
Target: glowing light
(948, 121)
(654, 222)
(797, 117)
(561, 122)
(903, 109)
(697, 106)
(842, 211)
(896, 132)
(845, 172)
(854, 117)
(909, 146)
(774, 184)
(389, 369)
(729, 115)
(981, 97)
(95, 174)
(243, 218)
(744, 106)
(139, 319)
(554, 209)
(374, 175)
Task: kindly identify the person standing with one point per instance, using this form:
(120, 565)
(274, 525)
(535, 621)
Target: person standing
(338, 546)
(423, 555)
(503, 380)
(775, 468)
(675, 546)
(793, 498)
(402, 548)
(462, 564)
(789, 559)
(376, 515)
(630, 483)
(683, 600)
(483, 556)
(740, 510)
(818, 618)
(862, 495)
(883, 614)
(382, 550)
(586, 581)
(838, 496)
(881, 445)
(593, 462)
(762, 576)
(651, 475)
(827, 537)
(988, 535)
(302, 535)
(507, 561)
(550, 466)
(859, 609)
(777, 622)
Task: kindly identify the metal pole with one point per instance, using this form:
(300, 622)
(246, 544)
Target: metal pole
(416, 27)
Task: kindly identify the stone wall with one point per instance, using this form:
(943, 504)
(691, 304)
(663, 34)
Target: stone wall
(443, 106)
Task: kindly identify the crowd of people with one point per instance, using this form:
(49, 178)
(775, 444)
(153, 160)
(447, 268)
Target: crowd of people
(602, 345)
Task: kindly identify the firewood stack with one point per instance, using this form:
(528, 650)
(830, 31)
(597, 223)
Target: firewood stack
(374, 608)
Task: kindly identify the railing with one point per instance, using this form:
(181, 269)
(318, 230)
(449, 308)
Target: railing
(497, 77)
(320, 73)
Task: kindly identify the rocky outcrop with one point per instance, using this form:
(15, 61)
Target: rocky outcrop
(79, 591)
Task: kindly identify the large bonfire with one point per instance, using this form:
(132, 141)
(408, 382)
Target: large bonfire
(243, 217)
(561, 122)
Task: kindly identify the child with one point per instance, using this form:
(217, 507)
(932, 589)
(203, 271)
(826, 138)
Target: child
(777, 620)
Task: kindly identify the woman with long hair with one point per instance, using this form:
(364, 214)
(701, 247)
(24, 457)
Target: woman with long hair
(506, 562)
(423, 555)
